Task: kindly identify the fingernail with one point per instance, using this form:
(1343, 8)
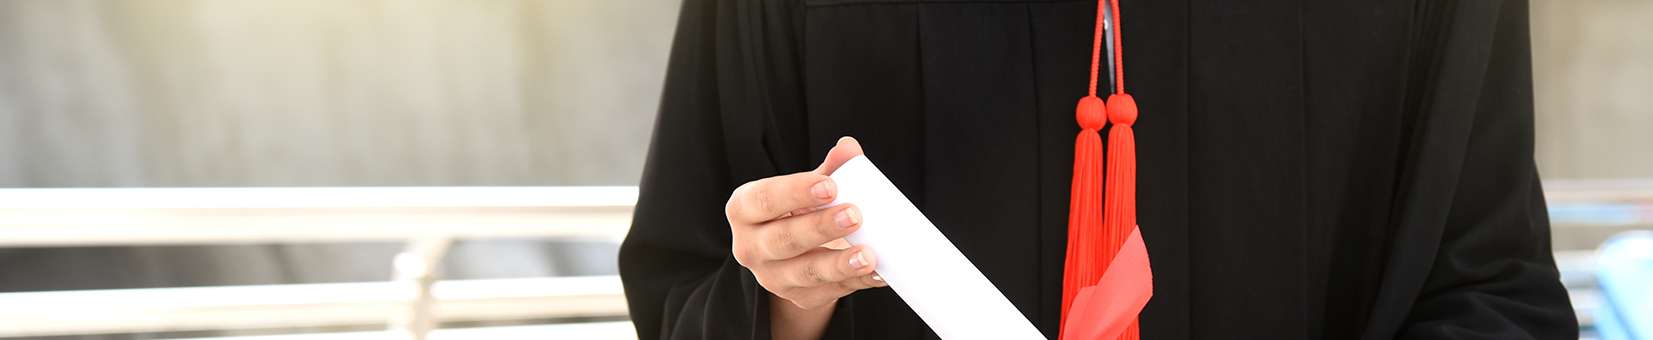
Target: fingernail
(877, 278)
(857, 261)
(847, 218)
(823, 189)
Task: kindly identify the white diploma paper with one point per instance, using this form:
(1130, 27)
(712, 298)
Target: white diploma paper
(925, 269)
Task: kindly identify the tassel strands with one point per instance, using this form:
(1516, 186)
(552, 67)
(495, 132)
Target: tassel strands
(1084, 205)
(1120, 205)
(1100, 224)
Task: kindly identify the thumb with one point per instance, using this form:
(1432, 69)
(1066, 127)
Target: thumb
(846, 149)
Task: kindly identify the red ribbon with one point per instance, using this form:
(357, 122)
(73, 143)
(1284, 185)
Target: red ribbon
(1109, 308)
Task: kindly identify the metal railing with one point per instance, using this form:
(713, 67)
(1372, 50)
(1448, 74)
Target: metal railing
(94, 217)
(159, 310)
(428, 219)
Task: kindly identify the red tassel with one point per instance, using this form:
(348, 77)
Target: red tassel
(1099, 224)
(1120, 206)
(1081, 267)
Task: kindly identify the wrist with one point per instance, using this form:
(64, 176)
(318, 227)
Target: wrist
(788, 321)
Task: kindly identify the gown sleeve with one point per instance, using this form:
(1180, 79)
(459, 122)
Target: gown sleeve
(1494, 275)
(711, 134)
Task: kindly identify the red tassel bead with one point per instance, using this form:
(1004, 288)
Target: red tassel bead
(1091, 112)
(1121, 109)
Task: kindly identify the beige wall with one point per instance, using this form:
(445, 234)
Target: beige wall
(1593, 78)
(511, 92)
(319, 92)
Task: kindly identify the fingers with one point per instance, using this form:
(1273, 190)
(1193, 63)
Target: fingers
(863, 282)
(794, 246)
(846, 149)
(829, 268)
(780, 196)
(811, 297)
(824, 275)
(770, 198)
(791, 236)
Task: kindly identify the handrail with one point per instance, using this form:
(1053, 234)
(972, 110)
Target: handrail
(1599, 190)
(150, 216)
(586, 330)
(1615, 204)
(318, 197)
(37, 314)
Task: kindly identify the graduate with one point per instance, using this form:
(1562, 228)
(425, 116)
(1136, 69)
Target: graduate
(1296, 169)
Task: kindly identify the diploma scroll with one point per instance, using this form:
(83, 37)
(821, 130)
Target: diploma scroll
(922, 266)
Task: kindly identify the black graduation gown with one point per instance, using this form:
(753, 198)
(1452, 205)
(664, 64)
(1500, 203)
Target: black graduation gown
(1307, 169)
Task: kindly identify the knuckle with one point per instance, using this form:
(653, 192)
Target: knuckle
(782, 242)
(813, 276)
(742, 254)
(761, 200)
(731, 209)
(751, 204)
(827, 223)
(769, 285)
(745, 253)
(738, 201)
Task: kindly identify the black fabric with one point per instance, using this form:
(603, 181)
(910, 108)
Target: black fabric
(1308, 169)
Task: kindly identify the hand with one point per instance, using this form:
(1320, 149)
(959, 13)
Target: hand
(794, 248)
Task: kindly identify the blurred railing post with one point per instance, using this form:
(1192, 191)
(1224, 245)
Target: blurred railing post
(416, 269)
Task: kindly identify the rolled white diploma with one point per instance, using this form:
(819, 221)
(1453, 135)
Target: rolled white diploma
(925, 269)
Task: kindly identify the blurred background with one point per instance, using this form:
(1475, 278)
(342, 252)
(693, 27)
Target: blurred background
(533, 100)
